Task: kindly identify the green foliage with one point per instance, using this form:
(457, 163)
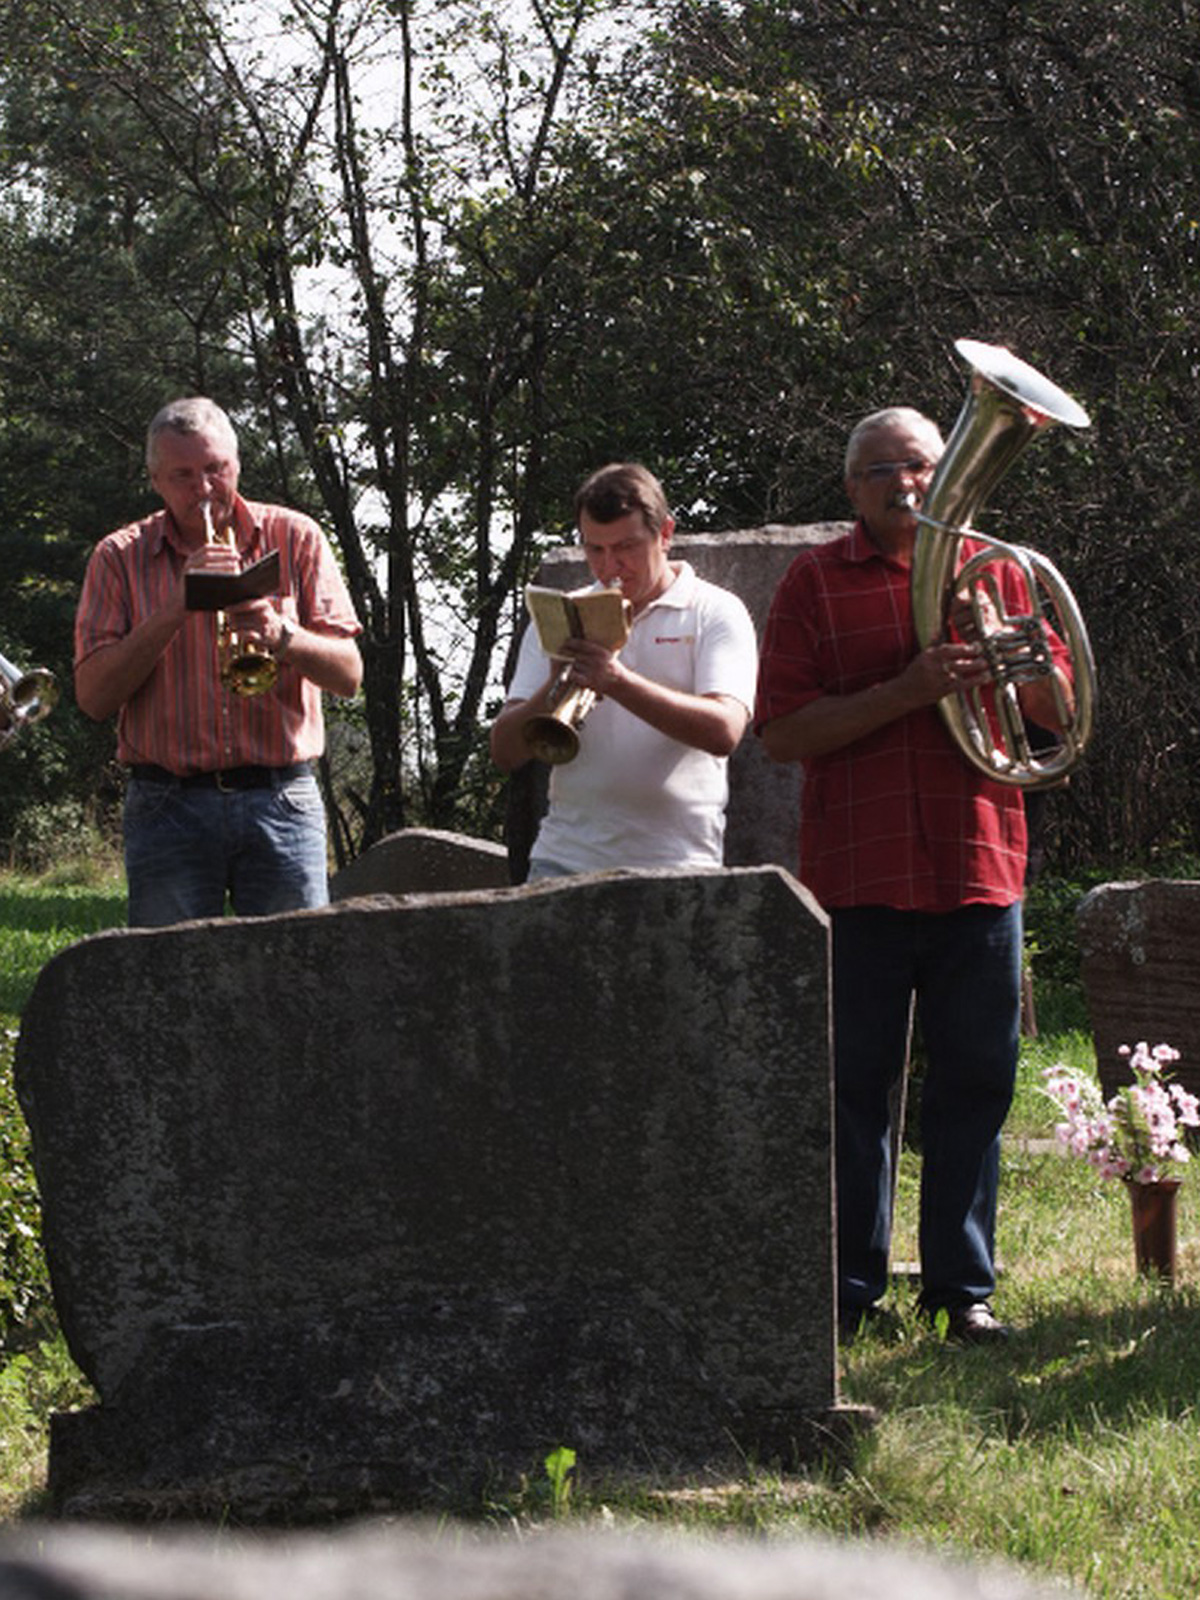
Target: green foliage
(37, 919)
(63, 830)
(33, 1384)
(560, 1463)
(24, 1286)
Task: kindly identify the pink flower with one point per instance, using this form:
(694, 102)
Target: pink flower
(1139, 1134)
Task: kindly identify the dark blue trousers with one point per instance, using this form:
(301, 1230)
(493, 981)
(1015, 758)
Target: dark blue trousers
(963, 971)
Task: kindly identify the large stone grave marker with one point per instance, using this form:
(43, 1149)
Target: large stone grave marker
(374, 1206)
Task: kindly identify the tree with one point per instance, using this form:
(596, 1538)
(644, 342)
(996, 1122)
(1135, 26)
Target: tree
(436, 518)
(1021, 172)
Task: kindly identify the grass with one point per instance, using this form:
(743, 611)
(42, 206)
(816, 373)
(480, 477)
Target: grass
(1074, 1451)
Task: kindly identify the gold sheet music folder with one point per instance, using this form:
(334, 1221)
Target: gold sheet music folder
(217, 591)
(558, 614)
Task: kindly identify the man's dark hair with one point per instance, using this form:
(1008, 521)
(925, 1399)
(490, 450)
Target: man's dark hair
(621, 487)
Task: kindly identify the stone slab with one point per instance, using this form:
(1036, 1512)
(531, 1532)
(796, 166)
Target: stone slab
(423, 861)
(372, 1206)
(1139, 946)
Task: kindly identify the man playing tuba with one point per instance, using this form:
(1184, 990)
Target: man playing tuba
(919, 859)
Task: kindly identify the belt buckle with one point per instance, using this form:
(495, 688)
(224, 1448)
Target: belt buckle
(222, 786)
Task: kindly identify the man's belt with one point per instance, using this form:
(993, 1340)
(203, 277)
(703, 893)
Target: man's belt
(228, 778)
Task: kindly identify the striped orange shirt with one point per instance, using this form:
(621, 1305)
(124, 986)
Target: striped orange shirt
(182, 718)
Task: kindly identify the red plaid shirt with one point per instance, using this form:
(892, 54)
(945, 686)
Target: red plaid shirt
(181, 718)
(898, 818)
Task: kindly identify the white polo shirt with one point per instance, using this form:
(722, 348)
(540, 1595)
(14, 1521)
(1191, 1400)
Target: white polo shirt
(634, 797)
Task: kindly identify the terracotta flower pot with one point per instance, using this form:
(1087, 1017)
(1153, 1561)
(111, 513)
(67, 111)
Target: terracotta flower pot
(1154, 1226)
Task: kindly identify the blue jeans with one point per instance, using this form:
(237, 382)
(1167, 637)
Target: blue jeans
(963, 968)
(187, 848)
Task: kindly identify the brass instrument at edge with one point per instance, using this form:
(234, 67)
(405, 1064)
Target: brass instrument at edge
(245, 665)
(25, 698)
(1007, 405)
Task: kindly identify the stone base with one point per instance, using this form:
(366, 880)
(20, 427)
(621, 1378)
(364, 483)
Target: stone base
(366, 1415)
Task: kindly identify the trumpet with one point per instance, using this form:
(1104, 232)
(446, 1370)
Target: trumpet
(1008, 404)
(246, 667)
(601, 614)
(25, 698)
(553, 737)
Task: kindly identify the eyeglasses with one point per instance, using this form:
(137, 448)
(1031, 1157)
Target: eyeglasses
(881, 471)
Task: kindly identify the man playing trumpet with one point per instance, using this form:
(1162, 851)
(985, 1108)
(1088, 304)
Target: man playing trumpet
(222, 797)
(649, 785)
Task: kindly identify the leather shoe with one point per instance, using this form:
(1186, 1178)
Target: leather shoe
(976, 1324)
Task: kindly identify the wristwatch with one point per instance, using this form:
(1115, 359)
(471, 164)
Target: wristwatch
(286, 635)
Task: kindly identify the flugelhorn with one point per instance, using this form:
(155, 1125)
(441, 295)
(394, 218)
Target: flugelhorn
(1008, 404)
(25, 698)
(601, 614)
(245, 666)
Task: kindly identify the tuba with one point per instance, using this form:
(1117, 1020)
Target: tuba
(1007, 405)
(25, 697)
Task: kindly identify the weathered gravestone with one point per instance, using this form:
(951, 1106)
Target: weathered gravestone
(762, 822)
(1139, 946)
(455, 1564)
(422, 861)
(372, 1206)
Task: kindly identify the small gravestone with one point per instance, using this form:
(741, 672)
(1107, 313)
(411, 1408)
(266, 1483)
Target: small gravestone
(374, 1206)
(422, 861)
(458, 1563)
(1139, 946)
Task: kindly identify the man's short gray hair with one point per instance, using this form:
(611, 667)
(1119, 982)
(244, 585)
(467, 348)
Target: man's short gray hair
(194, 415)
(890, 417)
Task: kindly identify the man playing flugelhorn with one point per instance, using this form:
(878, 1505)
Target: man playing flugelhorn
(649, 785)
(222, 797)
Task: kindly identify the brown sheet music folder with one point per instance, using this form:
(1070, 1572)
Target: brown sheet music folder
(218, 591)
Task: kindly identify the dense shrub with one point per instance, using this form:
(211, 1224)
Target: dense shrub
(24, 1285)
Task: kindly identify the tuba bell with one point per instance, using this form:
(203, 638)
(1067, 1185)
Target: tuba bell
(25, 698)
(1007, 405)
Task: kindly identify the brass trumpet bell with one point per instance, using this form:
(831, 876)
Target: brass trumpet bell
(246, 668)
(553, 737)
(25, 698)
